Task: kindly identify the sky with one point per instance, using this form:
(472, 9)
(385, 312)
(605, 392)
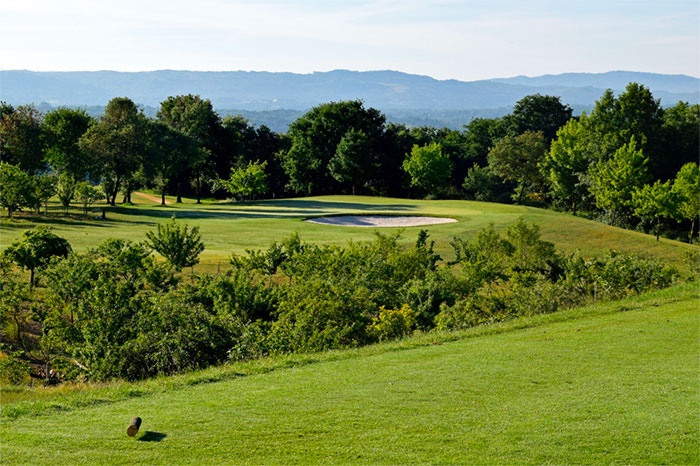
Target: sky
(465, 40)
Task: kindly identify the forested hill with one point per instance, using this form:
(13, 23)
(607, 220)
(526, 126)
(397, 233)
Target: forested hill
(385, 90)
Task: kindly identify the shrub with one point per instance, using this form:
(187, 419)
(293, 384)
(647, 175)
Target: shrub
(180, 246)
(621, 274)
(426, 295)
(318, 315)
(234, 297)
(14, 370)
(539, 297)
(692, 260)
(479, 308)
(173, 336)
(393, 323)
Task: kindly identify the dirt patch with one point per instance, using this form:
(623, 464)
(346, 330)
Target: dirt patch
(379, 221)
(151, 197)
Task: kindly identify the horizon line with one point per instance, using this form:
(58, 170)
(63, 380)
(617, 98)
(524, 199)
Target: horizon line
(350, 71)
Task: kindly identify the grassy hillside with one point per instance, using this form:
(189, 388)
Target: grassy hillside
(232, 227)
(612, 383)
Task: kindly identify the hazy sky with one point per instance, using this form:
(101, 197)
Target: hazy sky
(466, 40)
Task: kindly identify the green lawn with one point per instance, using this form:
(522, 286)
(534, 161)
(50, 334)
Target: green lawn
(610, 383)
(232, 227)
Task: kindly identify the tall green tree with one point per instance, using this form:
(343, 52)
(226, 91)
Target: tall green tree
(654, 202)
(613, 181)
(634, 113)
(430, 169)
(45, 187)
(118, 144)
(543, 113)
(20, 138)
(16, 188)
(687, 188)
(517, 158)
(247, 182)
(314, 142)
(480, 134)
(62, 129)
(681, 137)
(353, 162)
(566, 163)
(170, 155)
(195, 117)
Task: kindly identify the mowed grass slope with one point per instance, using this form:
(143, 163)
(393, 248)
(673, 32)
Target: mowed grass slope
(235, 227)
(612, 383)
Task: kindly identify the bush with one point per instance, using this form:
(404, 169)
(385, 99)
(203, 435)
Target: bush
(173, 336)
(539, 297)
(393, 323)
(180, 246)
(426, 295)
(692, 260)
(318, 315)
(616, 275)
(14, 370)
(475, 310)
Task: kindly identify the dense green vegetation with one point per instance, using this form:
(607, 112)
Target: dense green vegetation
(603, 165)
(608, 383)
(116, 312)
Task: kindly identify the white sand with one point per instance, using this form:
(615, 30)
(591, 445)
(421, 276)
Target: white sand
(379, 221)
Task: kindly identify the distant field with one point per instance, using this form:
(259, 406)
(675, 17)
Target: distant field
(234, 227)
(615, 383)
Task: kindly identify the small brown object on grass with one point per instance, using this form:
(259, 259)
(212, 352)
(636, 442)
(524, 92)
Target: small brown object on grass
(133, 426)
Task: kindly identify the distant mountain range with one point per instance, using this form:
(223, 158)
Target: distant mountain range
(277, 97)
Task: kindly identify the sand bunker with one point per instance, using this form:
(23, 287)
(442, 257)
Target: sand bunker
(379, 221)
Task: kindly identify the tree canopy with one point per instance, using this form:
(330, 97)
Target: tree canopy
(118, 142)
(429, 167)
(517, 158)
(35, 248)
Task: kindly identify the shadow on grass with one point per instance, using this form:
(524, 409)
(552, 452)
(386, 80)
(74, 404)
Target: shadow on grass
(27, 222)
(261, 209)
(151, 436)
(305, 205)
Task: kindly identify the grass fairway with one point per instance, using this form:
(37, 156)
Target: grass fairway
(612, 383)
(232, 227)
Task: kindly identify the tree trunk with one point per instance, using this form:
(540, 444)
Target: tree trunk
(692, 230)
(162, 196)
(199, 190)
(31, 278)
(179, 192)
(113, 201)
(520, 196)
(573, 208)
(657, 228)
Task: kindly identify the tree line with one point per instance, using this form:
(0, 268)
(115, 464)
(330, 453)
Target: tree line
(630, 162)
